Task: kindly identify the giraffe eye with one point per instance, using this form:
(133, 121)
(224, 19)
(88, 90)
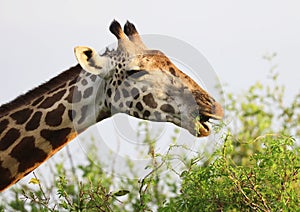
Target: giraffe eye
(136, 73)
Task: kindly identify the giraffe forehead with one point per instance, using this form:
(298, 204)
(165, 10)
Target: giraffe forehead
(158, 61)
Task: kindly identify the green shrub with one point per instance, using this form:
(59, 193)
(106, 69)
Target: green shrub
(269, 182)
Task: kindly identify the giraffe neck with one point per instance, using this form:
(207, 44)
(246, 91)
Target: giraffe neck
(36, 125)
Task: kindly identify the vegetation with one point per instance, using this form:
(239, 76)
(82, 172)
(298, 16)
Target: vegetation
(256, 168)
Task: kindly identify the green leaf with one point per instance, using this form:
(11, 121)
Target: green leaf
(34, 181)
(184, 173)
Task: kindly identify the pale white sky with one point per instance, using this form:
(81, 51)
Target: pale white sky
(37, 37)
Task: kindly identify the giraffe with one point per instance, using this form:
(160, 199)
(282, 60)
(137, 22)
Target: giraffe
(130, 79)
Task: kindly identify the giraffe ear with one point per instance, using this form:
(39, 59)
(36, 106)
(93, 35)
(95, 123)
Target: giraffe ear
(91, 61)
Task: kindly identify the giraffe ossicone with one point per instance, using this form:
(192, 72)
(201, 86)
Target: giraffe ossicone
(131, 79)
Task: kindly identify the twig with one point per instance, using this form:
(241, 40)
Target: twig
(41, 189)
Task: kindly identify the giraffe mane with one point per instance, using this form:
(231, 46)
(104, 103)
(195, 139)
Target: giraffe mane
(71, 73)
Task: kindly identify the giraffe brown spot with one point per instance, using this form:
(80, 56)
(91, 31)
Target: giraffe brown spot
(149, 100)
(84, 82)
(139, 106)
(136, 114)
(129, 104)
(54, 117)
(93, 78)
(119, 82)
(3, 125)
(37, 101)
(10, 137)
(50, 101)
(6, 177)
(87, 92)
(125, 93)
(108, 92)
(121, 105)
(167, 108)
(146, 114)
(126, 84)
(157, 115)
(172, 71)
(74, 95)
(84, 111)
(21, 116)
(71, 114)
(117, 96)
(27, 154)
(102, 115)
(135, 93)
(56, 137)
(34, 122)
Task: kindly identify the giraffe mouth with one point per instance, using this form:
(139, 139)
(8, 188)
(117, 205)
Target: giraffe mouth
(202, 126)
(202, 120)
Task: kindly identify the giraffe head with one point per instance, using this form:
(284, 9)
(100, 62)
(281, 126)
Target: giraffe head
(145, 83)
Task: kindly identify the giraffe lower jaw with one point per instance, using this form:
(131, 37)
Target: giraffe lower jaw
(203, 125)
(202, 128)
